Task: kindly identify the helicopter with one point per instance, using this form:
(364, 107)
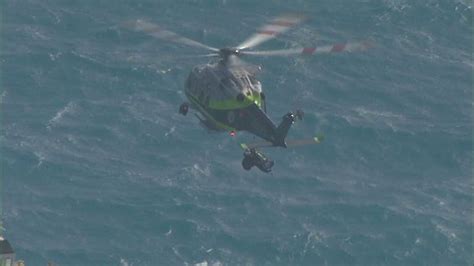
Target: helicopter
(227, 94)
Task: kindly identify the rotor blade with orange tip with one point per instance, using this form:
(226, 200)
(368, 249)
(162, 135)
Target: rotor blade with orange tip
(269, 31)
(336, 48)
(160, 33)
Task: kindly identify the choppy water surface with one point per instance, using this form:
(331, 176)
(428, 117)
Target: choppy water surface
(99, 169)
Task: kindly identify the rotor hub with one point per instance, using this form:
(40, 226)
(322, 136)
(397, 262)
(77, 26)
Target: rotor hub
(226, 52)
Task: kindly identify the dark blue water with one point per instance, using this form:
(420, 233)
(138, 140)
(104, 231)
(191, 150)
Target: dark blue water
(99, 169)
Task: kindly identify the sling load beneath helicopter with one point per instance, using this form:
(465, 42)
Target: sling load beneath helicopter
(228, 96)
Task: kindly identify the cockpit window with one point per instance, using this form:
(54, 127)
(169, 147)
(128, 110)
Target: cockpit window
(244, 81)
(252, 79)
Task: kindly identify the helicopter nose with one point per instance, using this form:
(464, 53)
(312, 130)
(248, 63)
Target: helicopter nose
(250, 97)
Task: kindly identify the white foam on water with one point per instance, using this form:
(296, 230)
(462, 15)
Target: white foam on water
(68, 109)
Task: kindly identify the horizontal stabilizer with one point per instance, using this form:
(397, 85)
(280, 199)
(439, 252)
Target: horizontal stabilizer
(303, 142)
(289, 143)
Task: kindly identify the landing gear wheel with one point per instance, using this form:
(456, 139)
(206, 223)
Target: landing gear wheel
(247, 163)
(184, 108)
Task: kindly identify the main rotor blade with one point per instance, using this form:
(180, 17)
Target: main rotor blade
(336, 48)
(276, 26)
(198, 56)
(160, 33)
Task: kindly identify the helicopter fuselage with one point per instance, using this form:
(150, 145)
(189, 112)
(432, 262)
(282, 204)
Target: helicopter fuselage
(230, 99)
(226, 93)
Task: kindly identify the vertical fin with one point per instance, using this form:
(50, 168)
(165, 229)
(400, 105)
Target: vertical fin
(282, 129)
